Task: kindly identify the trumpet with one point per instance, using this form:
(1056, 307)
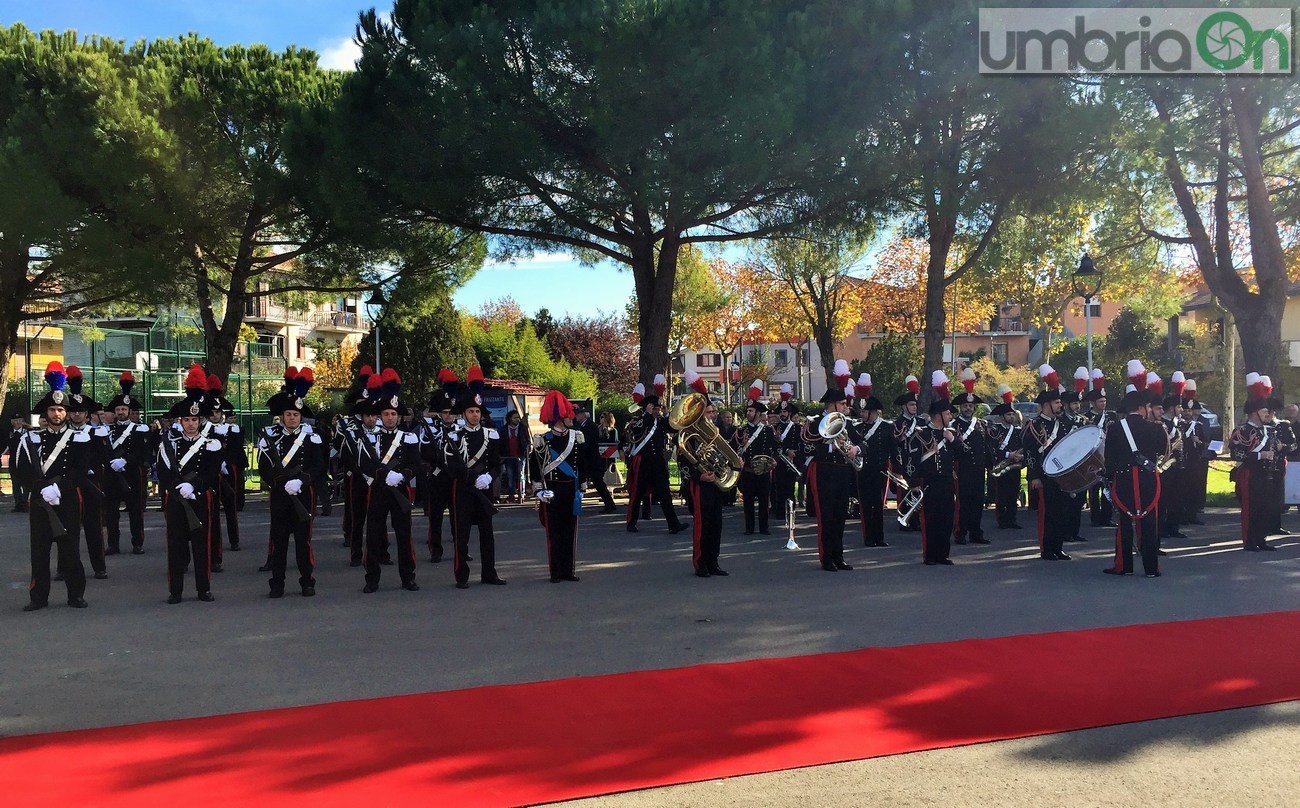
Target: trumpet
(699, 442)
(1004, 466)
(833, 427)
(911, 498)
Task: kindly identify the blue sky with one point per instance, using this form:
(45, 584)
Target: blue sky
(548, 280)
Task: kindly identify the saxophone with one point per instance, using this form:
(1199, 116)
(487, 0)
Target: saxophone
(1170, 458)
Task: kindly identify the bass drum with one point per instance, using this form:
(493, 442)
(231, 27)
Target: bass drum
(1077, 462)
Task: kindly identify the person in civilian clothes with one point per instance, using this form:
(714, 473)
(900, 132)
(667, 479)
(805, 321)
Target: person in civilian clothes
(1005, 441)
(707, 501)
(189, 466)
(593, 463)
(647, 437)
(831, 480)
(17, 431)
(1100, 513)
(92, 495)
(1040, 435)
(389, 464)
(130, 452)
(51, 462)
(877, 447)
(1133, 446)
(433, 450)
(905, 425)
(556, 466)
(472, 451)
(973, 452)
(755, 439)
(514, 449)
(289, 460)
(932, 448)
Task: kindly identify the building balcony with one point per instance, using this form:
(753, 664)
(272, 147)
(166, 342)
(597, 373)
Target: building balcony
(344, 321)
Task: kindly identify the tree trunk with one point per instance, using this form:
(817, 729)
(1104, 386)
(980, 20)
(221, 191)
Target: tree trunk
(824, 336)
(14, 289)
(936, 313)
(654, 293)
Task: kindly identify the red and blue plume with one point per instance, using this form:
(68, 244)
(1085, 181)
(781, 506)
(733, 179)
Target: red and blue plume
(391, 383)
(214, 384)
(373, 385)
(126, 381)
(696, 382)
(448, 381)
(364, 374)
(555, 407)
(474, 378)
(290, 373)
(55, 376)
(74, 380)
(306, 378)
(196, 381)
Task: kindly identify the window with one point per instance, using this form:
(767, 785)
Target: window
(302, 348)
(781, 357)
(1092, 311)
(999, 353)
(708, 360)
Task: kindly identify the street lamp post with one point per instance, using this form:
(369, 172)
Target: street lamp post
(1087, 283)
(376, 301)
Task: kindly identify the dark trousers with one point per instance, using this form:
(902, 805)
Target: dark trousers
(237, 481)
(229, 495)
(380, 512)
(1100, 512)
(438, 503)
(1258, 491)
(470, 507)
(1076, 513)
(1007, 497)
(284, 523)
(356, 504)
(650, 478)
(937, 519)
(829, 487)
(871, 495)
(123, 489)
(1136, 495)
(597, 480)
(69, 549)
(561, 526)
(970, 503)
(783, 482)
(1054, 517)
(706, 533)
(92, 522)
(184, 545)
(1198, 472)
(1173, 492)
(757, 490)
(20, 490)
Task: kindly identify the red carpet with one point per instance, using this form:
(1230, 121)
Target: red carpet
(520, 744)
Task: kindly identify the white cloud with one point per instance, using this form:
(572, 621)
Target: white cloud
(340, 54)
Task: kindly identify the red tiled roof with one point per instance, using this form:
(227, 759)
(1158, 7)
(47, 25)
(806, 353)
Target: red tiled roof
(512, 386)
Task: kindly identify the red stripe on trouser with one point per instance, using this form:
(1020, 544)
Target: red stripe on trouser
(1243, 484)
(697, 553)
(817, 506)
(1042, 510)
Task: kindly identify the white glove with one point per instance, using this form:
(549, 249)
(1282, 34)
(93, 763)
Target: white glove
(394, 478)
(546, 495)
(117, 464)
(185, 490)
(51, 494)
(225, 469)
(483, 482)
(292, 487)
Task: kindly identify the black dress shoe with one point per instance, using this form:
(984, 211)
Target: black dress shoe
(101, 575)
(1046, 557)
(1268, 548)
(747, 533)
(462, 584)
(632, 529)
(829, 567)
(411, 586)
(207, 597)
(701, 573)
(1252, 549)
(356, 562)
(137, 551)
(1015, 526)
(174, 599)
(495, 581)
(980, 541)
(609, 509)
(681, 526)
(1161, 552)
(32, 607)
(1076, 538)
(719, 571)
(387, 562)
(1153, 575)
(765, 532)
(217, 568)
(947, 562)
(112, 551)
(931, 563)
(276, 593)
(1283, 532)
(840, 565)
(435, 559)
(570, 577)
(78, 603)
(881, 543)
(1113, 571)
(555, 579)
(265, 567)
(370, 588)
(1061, 555)
(1175, 534)
(234, 546)
(962, 540)
(309, 591)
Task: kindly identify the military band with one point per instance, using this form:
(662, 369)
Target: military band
(1148, 474)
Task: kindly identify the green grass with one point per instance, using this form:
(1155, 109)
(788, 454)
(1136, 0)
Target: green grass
(1220, 492)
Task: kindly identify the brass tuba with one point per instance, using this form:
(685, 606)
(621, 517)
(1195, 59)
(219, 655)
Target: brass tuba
(833, 427)
(699, 442)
